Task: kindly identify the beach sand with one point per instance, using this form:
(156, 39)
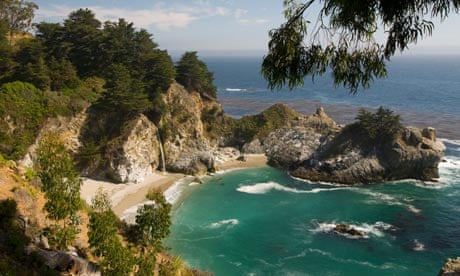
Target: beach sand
(124, 196)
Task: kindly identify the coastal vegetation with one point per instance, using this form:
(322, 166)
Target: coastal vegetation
(115, 73)
(378, 127)
(46, 212)
(134, 101)
(61, 185)
(344, 39)
(193, 74)
(113, 68)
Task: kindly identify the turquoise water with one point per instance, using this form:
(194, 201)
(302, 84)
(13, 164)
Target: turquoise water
(263, 222)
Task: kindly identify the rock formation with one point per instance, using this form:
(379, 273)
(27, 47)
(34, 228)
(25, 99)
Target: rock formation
(194, 128)
(65, 262)
(69, 129)
(136, 153)
(330, 154)
(187, 149)
(450, 268)
(347, 230)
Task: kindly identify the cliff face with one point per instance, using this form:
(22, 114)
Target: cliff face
(187, 149)
(338, 156)
(135, 154)
(68, 128)
(131, 150)
(193, 131)
(136, 151)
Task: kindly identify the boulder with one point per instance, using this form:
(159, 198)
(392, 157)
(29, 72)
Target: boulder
(450, 268)
(65, 262)
(347, 230)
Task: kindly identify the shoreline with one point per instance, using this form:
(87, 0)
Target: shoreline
(125, 196)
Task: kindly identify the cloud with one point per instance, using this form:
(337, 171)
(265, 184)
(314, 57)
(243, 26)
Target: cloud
(240, 16)
(163, 16)
(160, 17)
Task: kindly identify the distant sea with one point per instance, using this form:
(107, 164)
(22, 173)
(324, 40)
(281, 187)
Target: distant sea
(263, 222)
(424, 90)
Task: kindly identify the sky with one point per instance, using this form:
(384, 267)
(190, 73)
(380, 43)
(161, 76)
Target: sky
(215, 27)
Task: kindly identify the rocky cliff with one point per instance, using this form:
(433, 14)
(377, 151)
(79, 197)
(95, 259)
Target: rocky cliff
(186, 147)
(341, 155)
(135, 154)
(450, 268)
(109, 146)
(67, 127)
(193, 130)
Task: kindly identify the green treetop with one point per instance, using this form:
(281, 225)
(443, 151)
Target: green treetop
(18, 15)
(193, 74)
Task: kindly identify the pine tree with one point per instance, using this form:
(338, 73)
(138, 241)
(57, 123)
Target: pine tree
(193, 74)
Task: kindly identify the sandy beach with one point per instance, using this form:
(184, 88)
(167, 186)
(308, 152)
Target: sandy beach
(124, 196)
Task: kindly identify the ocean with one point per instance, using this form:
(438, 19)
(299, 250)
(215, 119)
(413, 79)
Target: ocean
(264, 222)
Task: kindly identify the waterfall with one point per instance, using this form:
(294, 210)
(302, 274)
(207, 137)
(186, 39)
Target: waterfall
(162, 153)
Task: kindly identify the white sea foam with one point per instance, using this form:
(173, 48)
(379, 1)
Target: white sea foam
(450, 162)
(263, 188)
(236, 89)
(221, 223)
(430, 185)
(387, 199)
(449, 170)
(319, 182)
(418, 246)
(362, 263)
(454, 142)
(173, 193)
(377, 229)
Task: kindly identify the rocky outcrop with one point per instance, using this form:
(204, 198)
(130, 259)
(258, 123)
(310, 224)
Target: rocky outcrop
(324, 152)
(187, 149)
(68, 128)
(450, 268)
(253, 147)
(135, 154)
(65, 262)
(349, 231)
(288, 146)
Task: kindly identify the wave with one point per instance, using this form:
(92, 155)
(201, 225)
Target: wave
(418, 246)
(173, 193)
(385, 266)
(449, 141)
(221, 223)
(236, 89)
(377, 229)
(450, 162)
(319, 182)
(387, 199)
(263, 188)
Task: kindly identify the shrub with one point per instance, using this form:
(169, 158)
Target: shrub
(378, 127)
